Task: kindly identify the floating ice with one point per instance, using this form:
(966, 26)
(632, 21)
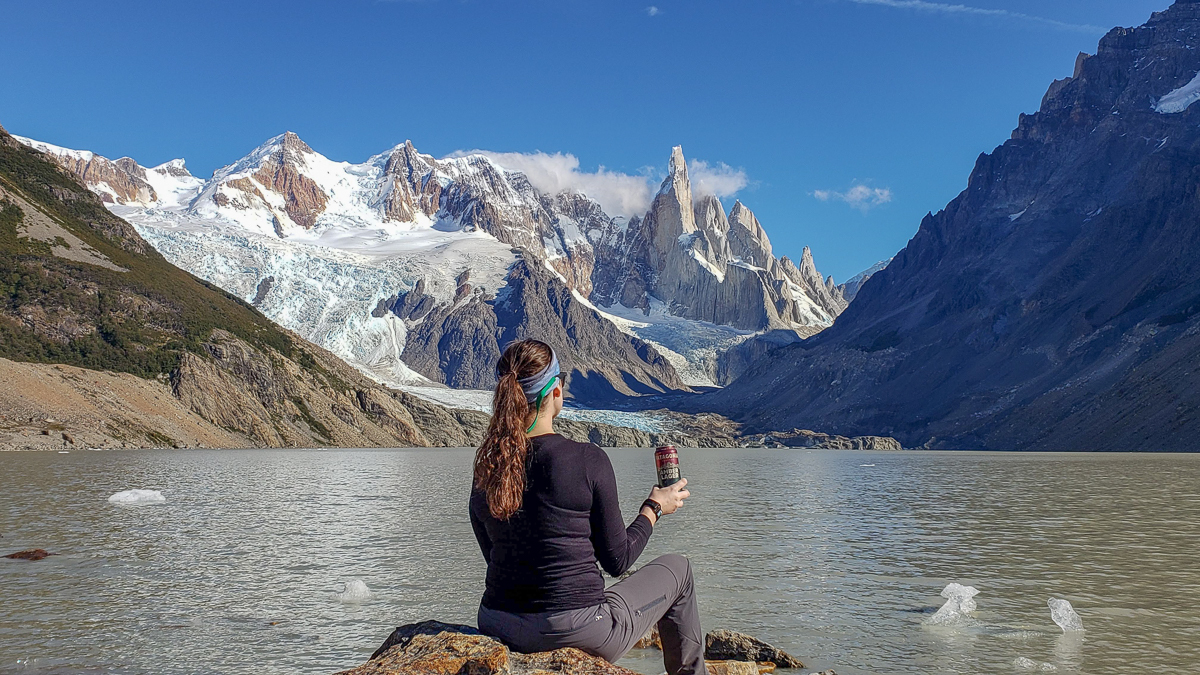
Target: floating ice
(64, 452)
(137, 497)
(1064, 615)
(862, 465)
(354, 590)
(1022, 663)
(958, 604)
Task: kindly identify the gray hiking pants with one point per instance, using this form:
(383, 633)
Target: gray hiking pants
(660, 593)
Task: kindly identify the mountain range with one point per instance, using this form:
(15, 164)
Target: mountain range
(1055, 303)
(418, 270)
(104, 343)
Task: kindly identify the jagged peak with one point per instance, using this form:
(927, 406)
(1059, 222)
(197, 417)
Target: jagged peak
(286, 148)
(405, 155)
(744, 217)
(175, 167)
(677, 175)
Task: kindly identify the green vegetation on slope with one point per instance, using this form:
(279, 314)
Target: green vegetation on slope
(54, 310)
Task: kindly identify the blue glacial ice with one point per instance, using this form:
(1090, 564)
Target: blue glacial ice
(1023, 663)
(137, 497)
(959, 604)
(354, 591)
(1064, 615)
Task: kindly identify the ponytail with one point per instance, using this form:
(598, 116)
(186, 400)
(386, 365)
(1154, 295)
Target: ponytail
(500, 462)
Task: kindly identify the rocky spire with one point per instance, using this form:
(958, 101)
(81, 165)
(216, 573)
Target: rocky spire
(710, 219)
(671, 213)
(747, 239)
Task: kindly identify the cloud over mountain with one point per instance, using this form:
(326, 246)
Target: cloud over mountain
(617, 193)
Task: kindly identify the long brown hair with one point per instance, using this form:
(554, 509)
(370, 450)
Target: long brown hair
(500, 460)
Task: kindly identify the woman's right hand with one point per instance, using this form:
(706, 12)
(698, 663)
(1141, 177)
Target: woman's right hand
(671, 497)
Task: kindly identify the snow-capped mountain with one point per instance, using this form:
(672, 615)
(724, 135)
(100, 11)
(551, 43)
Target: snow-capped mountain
(852, 285)
(417, 270)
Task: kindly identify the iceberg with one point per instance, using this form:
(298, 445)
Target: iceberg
(958, 604)
(1064, 615)
(137, 497)
(1023, 663)
(354, 591)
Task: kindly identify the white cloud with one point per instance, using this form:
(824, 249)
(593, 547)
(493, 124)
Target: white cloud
(947, 8)
(653, 11)
(619, 194)
(718, 179)
(859, 197)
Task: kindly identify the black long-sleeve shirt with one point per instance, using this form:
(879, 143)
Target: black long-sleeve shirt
(544, 557)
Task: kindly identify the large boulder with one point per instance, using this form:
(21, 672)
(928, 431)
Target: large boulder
(436, 648)
(733, 646)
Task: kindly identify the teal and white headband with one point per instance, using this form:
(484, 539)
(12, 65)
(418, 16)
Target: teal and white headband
(534, 386)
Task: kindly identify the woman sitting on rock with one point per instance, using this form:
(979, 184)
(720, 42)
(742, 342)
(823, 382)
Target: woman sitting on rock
(545, 511)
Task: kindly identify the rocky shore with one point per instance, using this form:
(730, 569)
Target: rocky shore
(240, 396)
(436, 648)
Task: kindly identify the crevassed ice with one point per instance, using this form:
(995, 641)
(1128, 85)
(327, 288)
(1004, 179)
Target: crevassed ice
(354, 590)
(1064, 615)
(958, 604)
(137, 497)
(1180, 99)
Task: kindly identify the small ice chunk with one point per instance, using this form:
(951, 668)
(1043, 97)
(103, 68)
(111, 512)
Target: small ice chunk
(353, 591)
(958, 604)
(1064, 615)
(1022, 663)
(137, 497)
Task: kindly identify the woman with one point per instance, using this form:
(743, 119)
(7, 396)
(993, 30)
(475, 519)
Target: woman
(545, 511)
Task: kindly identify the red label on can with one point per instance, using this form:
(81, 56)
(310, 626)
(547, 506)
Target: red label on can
(666, 461)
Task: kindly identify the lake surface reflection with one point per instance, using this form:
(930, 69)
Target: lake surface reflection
(837, 557)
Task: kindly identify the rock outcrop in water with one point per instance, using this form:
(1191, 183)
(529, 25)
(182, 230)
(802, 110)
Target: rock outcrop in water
(733, 646)
(31, 554)
(1055, 303)
(436, 648)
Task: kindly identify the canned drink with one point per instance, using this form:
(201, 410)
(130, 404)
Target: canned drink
(666, 461)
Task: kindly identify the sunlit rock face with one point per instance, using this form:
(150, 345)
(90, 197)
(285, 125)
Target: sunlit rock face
(708, 266)
(1054, 304)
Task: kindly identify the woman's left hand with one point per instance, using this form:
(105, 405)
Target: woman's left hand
(671, 497)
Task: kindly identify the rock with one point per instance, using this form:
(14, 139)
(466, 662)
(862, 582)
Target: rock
(733, 646)
(31, 554)
(68, 438)
(650, 640)
(707, 266)
(803, 438)
(738, 668)
(435, 648)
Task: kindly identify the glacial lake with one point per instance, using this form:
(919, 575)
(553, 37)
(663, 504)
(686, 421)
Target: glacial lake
(838, 557)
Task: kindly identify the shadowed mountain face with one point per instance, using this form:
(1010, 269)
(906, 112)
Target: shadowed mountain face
(1055, 303)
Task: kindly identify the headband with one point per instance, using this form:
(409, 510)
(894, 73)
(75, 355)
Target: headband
(533, 386)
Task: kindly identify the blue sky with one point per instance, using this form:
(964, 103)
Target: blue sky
(846, 120)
